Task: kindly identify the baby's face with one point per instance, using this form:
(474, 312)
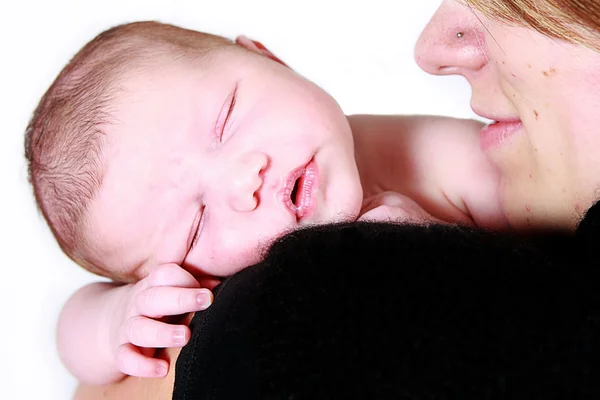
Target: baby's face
(207, 165)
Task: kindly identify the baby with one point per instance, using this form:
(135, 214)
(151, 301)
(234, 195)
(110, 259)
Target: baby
(163, 157)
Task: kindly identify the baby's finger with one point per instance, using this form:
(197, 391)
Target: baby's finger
(131, 362)
(158, 301)
(146, 332)
(171, 275)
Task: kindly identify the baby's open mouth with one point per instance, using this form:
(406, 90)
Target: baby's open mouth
(299, 196)
(294, 195)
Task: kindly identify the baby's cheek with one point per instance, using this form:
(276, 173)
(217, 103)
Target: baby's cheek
(232, 253)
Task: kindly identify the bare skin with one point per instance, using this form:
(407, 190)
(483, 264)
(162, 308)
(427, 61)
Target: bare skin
(544, 142)
(134, 388)
(407, 168)
(417, 149)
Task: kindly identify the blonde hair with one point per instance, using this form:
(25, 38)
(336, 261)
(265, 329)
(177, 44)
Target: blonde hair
(574, 21)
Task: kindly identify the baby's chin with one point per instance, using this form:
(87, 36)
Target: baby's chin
(233, 265)
(347, 213)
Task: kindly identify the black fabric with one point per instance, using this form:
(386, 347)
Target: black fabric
(381, 311)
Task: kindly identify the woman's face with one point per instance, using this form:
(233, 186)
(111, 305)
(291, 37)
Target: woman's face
(544, 96)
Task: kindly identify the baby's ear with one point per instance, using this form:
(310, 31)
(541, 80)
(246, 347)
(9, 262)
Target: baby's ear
(257, 47)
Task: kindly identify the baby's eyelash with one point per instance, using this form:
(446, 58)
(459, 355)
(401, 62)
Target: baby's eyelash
(224, 117)
(229, 112)
(198, 228)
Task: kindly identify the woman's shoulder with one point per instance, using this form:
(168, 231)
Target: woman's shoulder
(588, 231)
(366, 308)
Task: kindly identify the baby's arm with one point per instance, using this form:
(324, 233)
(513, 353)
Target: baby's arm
(394, 207)
(436, 161)
(107, 330)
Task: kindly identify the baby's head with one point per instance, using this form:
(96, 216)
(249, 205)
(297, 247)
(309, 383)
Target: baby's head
(157, 144)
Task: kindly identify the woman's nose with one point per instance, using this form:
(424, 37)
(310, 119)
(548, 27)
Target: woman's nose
(246, 180)
(452, 42)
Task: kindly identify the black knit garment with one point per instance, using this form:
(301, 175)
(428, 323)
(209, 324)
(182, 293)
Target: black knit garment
(383, 311)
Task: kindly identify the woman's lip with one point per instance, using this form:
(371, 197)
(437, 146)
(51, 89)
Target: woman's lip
(305, 201)
(498, 132)
(494, 118)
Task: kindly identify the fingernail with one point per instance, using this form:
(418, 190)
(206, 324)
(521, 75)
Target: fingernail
(179, 336)
(161, 370)
(204, 300)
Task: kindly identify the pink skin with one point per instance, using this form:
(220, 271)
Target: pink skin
(157, 295)
(395, 207)
(200, 170)
(204, 155)
(108, 329)
(200, 156)
(544, 94)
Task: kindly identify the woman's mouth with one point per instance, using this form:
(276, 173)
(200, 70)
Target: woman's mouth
(298, 192)
(498, 132)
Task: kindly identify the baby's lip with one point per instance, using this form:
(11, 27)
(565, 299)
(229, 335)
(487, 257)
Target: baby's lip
(307, 177)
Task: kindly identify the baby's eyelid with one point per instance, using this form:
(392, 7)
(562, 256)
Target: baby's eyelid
(223, 120)
(198, 227)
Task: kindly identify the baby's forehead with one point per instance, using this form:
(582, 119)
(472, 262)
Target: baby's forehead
(166, 91)
(155, 107)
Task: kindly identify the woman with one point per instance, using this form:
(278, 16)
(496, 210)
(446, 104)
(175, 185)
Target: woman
(457, 313)
(541, 90)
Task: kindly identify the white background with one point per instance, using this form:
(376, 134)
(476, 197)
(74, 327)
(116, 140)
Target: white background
(359, 51)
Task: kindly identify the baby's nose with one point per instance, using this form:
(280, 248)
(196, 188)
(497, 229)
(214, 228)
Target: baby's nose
(246, 180)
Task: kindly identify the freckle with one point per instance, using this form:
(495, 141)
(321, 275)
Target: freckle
(535, 149)
(530, 176)
(552, 71)
(528, 65)
(528, 208)
(536, 116)
(503, 62)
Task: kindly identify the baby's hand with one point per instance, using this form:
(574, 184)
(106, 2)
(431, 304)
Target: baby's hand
(394, 207)
(138, 331)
